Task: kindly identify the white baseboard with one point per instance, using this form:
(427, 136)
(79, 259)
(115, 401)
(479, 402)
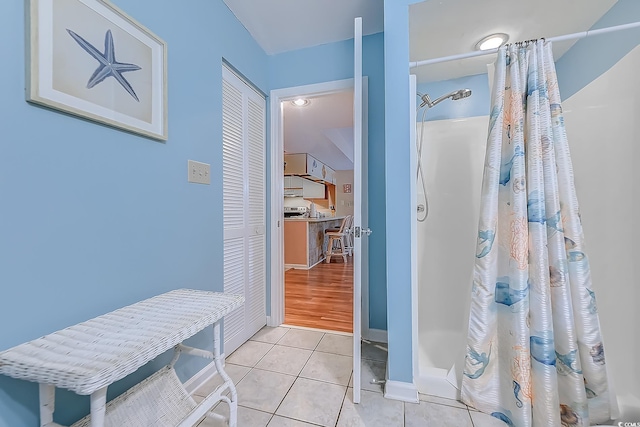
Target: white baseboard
(398, 390)
(376, 335)
(302, 266)
(202, 376)
(296, 266)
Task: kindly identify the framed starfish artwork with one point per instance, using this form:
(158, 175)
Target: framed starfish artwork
(89, 59)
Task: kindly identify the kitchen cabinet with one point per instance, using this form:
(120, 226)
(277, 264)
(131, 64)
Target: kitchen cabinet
(304, 242)
(306, 164)
(295, 186)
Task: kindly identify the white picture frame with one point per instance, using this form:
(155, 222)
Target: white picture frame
(89, 59)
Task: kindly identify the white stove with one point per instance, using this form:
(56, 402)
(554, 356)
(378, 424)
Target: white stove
(295, 211)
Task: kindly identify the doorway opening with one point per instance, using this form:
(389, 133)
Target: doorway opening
(318, 138)
(308, 292)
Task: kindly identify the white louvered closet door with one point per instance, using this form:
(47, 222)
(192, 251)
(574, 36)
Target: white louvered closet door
(244, 195)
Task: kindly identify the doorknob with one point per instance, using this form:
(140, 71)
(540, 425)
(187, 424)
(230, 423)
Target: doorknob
(362, 231)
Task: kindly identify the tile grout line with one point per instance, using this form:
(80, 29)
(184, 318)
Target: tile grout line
(404, 414)
(471, 418)
(448, 405)
(284, 397)
(276, 343)
(291, 375)
(258, 410)
(337, 354)
(344, 398)
(321, 338)
(300, 421)
(285, 373)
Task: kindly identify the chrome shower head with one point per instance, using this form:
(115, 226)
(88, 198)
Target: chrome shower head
(455, 95)
(462, 93)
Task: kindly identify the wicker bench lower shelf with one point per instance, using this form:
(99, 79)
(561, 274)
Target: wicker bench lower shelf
(160, 400)
(88, 357)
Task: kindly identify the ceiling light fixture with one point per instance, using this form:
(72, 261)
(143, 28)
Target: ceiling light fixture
(492, 41)
(301, 102)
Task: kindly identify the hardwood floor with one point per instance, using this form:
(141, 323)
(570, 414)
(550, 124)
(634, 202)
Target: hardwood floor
(321, 297)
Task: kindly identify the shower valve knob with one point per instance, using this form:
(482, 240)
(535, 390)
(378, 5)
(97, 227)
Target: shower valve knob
(420, 208)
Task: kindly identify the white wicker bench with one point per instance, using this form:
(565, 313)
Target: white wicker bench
(86, 358)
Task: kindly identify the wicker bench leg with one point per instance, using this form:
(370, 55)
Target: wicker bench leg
(47, 404)
(217, 360)
(233, 413)
(98, 407)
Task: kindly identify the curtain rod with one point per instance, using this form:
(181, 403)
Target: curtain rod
(573, 36)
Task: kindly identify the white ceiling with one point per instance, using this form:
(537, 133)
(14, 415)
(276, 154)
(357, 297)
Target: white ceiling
(282, 25)
(436, 28)
(449, 27)
(324, 129)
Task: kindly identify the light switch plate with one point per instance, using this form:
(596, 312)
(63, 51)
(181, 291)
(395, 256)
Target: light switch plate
(198, 172)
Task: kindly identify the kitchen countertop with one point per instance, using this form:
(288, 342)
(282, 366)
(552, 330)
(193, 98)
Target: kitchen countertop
(327, 218)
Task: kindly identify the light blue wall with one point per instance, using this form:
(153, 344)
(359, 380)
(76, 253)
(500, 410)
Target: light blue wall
(592, 56)
(475, 105)
(334, 61)
(93, 218)
(398, 178)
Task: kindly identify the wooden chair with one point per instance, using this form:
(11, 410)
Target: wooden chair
(337, 238)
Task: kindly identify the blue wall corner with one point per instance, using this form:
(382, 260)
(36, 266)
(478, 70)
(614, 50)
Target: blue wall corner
(590, 57)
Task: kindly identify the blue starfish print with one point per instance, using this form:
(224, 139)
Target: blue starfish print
(108, 64)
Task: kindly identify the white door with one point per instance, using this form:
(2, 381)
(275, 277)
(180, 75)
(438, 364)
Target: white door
(243, 169)
(360, 223)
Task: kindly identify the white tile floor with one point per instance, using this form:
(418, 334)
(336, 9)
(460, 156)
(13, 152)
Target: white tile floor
(299, 378)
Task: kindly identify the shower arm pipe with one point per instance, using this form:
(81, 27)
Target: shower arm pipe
(573, 36)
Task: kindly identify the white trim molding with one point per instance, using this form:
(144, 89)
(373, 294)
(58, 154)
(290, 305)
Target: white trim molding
(398, 390)
(276, 226)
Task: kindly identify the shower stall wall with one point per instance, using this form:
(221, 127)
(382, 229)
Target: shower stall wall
(452, 164)
(604, 136)
(603, 130)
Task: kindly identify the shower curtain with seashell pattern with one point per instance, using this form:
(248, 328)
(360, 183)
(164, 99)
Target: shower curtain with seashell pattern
(534, 350)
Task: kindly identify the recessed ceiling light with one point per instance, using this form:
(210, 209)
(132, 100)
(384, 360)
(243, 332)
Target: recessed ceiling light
(301, 102)
(492, 41)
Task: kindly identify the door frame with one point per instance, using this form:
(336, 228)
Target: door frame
(276, 157)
